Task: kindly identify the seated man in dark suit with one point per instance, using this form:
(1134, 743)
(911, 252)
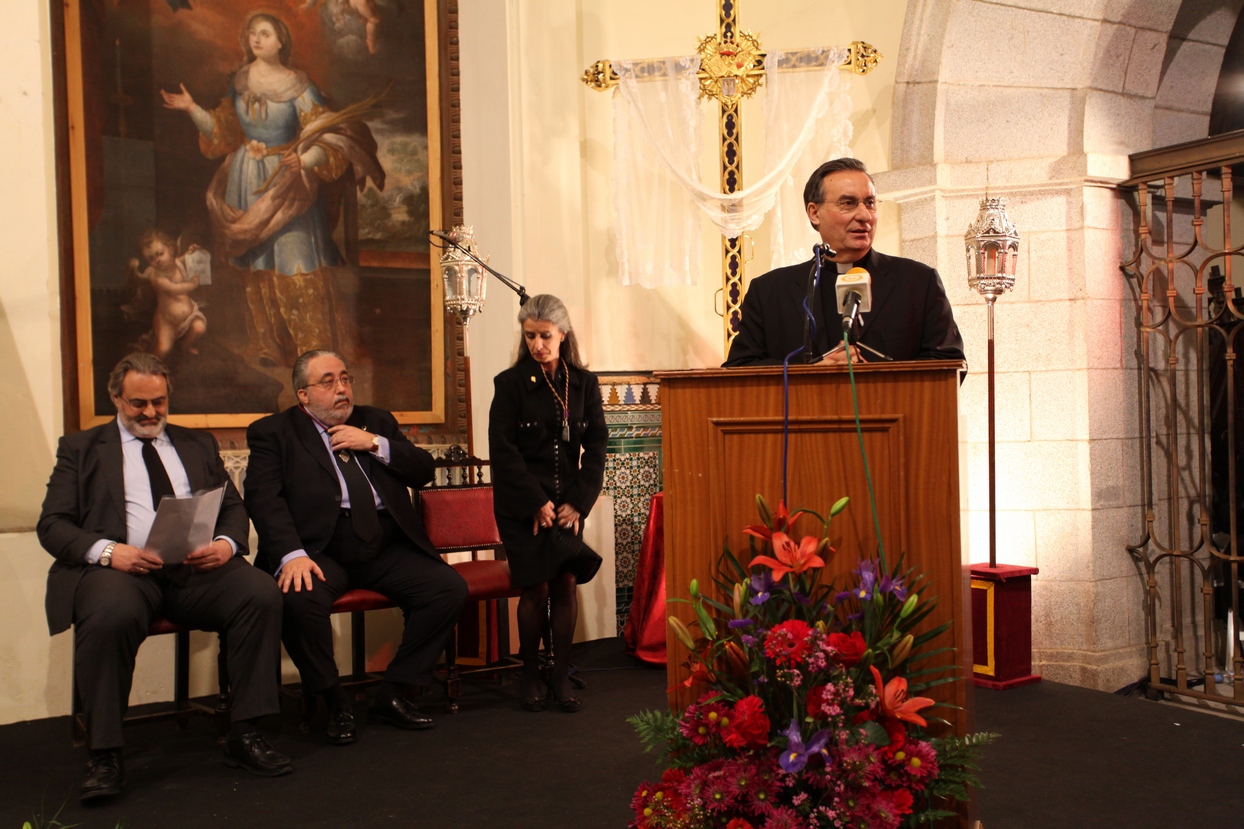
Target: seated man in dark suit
(326, 486)
(100, 504)
(910, 318)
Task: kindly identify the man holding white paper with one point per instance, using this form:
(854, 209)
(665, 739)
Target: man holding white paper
(909, 317)
(109, 585)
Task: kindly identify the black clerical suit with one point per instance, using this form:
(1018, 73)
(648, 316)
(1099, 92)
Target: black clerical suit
(111, 610)
(911, 318)
(295, 500)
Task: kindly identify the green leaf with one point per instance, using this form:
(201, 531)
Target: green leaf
(875, 735)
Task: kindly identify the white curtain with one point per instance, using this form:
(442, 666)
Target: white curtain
(658, 195)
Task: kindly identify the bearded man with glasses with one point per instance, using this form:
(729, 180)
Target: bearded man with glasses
(328, 488)
(100, 504)
(910, 319)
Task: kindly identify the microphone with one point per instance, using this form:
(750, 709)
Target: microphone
(820, 254)
(855, 295)
(453, 237)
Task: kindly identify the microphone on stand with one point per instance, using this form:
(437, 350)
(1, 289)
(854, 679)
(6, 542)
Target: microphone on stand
(453, 237)
(820, 255)
(855, 295)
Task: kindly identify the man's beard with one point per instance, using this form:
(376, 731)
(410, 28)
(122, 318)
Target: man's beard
(138, 429)
(330, 416)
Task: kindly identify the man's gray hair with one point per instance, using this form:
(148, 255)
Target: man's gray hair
(812, 190)
(140, 362)
(300, 365)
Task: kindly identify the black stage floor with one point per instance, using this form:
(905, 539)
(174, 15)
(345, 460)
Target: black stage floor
(1067, 758)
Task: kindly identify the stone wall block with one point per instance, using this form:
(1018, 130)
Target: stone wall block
(1104, 326)
(1110, 483)
(1011, 400)
(1113, 403)
(1149, 14)
(1116, 124)
(1055, 209)
(1059, 405)
(1062, 614)
(1116, 608)
(1042, 49)
(1035, 475)
(1064, 544)
(1103, 251)
(919, 218)
(1113, 529)
(1216, 25)
(1144, 63)
(915, 103)
(985, 122)
(1114, 44)
(1040, 336)
(1100, 207)
(1054, 268)
(1016, 538)
(1190, 78)
(1175, 126)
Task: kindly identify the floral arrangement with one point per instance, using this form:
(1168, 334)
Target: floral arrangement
(807, 715)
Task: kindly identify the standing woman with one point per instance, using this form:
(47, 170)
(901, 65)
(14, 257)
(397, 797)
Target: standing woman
(547, 439)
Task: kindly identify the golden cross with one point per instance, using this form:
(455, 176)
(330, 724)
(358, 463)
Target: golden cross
(732, 66)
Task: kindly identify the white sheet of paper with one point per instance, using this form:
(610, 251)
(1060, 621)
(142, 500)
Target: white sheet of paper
(199, 263)
(183, 525)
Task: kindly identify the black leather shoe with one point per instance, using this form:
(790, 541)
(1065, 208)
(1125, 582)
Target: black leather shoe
(340, 726)
(399, 713)
(252, 753)
(105, 775)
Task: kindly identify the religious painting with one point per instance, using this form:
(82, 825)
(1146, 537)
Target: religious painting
(249, 181)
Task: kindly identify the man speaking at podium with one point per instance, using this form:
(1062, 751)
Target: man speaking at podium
(909, 317)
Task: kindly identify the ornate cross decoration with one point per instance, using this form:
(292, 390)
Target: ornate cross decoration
(732, 67)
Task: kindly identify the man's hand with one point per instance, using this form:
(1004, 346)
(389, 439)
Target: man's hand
(349, 437)
(838, 356)
(568, 518)
(129, 559)
(210, 557)
(544, 518)
(297, 572)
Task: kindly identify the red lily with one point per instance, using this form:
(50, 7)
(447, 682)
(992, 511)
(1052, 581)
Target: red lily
(894, 702)
(781, 522)
(791, 559)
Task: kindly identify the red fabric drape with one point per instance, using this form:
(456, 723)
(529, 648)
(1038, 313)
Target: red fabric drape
(644, 632)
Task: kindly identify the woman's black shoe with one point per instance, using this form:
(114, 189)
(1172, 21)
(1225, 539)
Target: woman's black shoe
(568, 705)
(529, 691)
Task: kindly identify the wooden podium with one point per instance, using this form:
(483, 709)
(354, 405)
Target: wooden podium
(722, 444)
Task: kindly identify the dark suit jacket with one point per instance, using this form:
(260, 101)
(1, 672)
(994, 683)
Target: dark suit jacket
(910, 318)
(85, 502)
(522, 423)
(292, 490)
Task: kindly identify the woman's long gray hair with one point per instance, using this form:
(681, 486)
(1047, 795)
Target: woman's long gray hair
(548, 308)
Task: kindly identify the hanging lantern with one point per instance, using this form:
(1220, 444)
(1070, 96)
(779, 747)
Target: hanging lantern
(993, 250)
(466, 280)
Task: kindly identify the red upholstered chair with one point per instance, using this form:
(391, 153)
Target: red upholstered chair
(458, 518)
(182, 705)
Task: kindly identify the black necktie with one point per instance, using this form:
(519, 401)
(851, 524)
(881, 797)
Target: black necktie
(362, 502)
(156, 473)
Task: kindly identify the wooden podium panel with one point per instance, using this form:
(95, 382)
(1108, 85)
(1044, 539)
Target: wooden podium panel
(722, 445)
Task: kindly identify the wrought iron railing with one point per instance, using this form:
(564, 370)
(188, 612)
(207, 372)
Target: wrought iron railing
(1182, 267)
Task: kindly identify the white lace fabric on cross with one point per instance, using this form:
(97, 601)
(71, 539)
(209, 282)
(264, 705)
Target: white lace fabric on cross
(658, 195)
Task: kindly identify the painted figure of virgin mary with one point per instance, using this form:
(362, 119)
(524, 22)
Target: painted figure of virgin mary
(274, 202)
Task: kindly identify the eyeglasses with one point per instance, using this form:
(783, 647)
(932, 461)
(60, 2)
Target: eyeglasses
(141, 405)
(849, 204)
(330, 383)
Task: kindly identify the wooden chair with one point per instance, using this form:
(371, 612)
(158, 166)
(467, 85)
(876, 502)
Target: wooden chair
(182, 706)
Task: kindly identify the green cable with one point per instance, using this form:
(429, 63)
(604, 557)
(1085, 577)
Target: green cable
(859, 432)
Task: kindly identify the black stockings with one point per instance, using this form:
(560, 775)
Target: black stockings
(554, 604)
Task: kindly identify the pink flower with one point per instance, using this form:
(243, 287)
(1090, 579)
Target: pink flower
(787, 644)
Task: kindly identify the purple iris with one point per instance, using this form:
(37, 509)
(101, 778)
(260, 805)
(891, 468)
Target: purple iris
(867, 571)
(797, 753)
(895, 586)
(740, 623)
(762, 586)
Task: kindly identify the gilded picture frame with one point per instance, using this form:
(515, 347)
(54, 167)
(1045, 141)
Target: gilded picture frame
(242, 181)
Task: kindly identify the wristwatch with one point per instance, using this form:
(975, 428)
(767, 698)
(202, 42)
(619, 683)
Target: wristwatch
(375, 443)
(105, 558)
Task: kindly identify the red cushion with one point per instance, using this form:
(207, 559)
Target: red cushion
(160, 626)
(359, 599)
(459, 518)
(486, 579)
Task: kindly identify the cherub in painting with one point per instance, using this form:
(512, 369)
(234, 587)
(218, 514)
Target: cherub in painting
(177, 316)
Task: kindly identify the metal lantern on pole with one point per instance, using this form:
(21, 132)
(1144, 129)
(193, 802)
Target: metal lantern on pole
(992, 244)
(466, 281)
